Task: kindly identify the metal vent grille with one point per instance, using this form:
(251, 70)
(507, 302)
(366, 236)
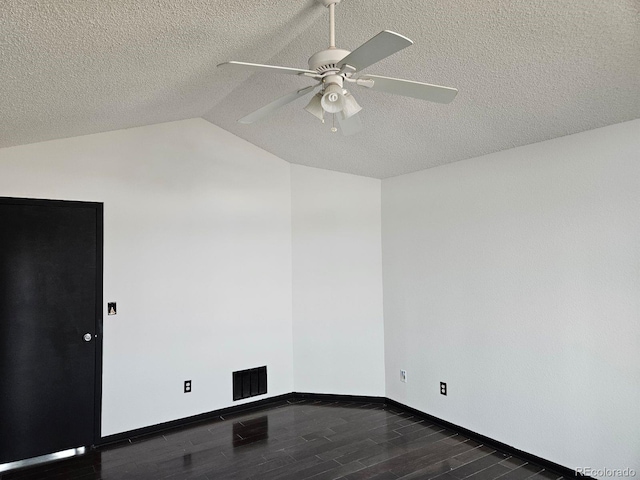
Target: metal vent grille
(249, 383)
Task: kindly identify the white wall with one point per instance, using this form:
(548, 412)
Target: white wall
(515, 278)
(197, 255)
(337, 283)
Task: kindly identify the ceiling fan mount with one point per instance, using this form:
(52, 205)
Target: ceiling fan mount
(328, 3)
(334, 67)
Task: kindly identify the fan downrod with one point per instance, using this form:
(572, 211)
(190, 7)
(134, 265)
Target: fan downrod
(326, 61)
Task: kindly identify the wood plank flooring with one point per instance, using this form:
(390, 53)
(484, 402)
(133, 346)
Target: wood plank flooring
(296, 439)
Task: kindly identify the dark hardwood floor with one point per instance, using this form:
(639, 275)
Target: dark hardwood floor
(297, 439)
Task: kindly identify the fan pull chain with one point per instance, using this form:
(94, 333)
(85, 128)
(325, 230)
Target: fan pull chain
(333, 126)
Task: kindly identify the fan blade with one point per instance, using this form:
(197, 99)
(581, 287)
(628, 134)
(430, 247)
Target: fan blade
(273, 106)
(381, 46)
(409, 88)
(349, 126)
(272, 68)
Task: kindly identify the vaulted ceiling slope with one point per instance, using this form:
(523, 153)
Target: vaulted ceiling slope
(526, 70)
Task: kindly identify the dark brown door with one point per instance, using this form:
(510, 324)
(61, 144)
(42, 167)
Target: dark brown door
(50, 283)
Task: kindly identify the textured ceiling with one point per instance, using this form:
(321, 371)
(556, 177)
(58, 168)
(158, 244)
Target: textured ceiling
(527, 71)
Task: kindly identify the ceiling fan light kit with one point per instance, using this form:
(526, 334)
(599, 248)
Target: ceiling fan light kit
(334, 68)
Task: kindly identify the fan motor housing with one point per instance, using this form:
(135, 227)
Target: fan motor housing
(327, 60)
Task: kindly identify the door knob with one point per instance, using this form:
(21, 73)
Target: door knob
(87, 337)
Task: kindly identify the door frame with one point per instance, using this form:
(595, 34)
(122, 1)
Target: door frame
(99, 208)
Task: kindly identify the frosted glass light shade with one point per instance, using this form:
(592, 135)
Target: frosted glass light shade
(315, 107)
(333, 99)
(351, 107)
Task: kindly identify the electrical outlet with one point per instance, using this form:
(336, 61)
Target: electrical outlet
(187, 386)
(403, 376)
(443, 388)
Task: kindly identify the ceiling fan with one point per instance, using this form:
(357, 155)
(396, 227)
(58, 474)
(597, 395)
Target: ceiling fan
(336, 68)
